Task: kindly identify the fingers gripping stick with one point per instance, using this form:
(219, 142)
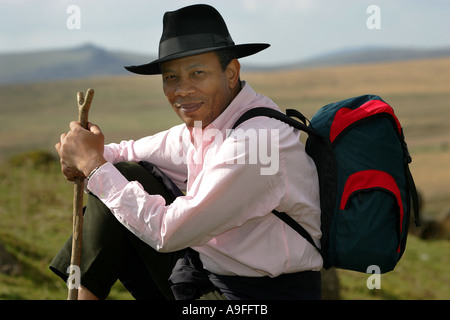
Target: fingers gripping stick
(84, 104)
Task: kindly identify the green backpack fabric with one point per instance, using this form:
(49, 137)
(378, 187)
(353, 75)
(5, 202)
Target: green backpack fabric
(366, 187)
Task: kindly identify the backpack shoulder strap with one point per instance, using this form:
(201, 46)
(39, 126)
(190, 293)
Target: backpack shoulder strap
(275, 114)
(297, 227)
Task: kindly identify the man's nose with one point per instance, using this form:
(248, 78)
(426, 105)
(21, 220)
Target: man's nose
(184, 88)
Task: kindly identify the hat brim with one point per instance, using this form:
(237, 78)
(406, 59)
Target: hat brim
(241, 51)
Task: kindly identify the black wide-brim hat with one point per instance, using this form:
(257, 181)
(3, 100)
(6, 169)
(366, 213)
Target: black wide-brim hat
(193, 30)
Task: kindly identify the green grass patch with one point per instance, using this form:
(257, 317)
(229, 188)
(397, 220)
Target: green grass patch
(36, 219)
(422, 274)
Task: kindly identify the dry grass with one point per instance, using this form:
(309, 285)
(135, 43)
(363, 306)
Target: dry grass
(129, 107)
(33, 116)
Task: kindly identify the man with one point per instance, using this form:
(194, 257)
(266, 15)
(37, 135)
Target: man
(219, 239)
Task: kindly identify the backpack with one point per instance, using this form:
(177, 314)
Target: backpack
(366, 187)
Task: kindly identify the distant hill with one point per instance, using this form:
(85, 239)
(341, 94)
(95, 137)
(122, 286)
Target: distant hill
(90, 60)
(85, 61)
(361, 56)
(372, 55)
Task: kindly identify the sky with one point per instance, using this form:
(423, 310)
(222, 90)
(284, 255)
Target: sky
(296, 29)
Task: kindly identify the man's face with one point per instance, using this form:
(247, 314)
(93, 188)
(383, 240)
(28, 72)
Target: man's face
(197, 87)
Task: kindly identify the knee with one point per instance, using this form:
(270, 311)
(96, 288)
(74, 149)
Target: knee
(150, 180)
(127, 167)
(132, 170)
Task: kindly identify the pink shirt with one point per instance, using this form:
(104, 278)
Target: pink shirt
(234, 181)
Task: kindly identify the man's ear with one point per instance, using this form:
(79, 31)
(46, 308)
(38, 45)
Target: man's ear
(233, 73)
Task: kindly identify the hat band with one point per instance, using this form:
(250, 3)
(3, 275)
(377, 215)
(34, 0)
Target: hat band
(192, 42)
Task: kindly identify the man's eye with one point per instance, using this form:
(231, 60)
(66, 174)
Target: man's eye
(169, 77)
(198, 72)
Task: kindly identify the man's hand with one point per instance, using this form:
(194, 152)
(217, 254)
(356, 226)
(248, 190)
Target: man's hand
(80, 150)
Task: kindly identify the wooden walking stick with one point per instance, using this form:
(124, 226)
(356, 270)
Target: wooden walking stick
(84, 104)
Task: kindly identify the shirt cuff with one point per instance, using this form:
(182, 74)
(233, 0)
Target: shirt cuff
(106, 182)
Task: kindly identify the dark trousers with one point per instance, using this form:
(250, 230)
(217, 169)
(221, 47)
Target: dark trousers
(110, 252)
